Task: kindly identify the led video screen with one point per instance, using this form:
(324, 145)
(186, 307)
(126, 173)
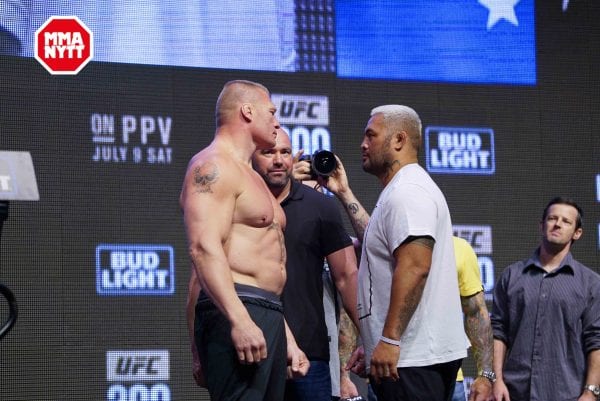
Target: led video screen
(99, 265)
(440, 41)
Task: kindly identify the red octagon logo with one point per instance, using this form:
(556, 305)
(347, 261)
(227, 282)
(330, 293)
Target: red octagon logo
(64, 45)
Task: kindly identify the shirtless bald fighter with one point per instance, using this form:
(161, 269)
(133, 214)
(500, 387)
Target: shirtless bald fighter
(234, 228)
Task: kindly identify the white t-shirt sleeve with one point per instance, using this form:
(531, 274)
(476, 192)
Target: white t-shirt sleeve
(407, 212)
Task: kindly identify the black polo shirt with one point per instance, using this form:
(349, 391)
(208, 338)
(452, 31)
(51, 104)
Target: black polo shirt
(314, 229)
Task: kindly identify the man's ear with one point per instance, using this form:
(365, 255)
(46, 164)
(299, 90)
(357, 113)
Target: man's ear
(577, 234)
(399, 139)
(246, 110)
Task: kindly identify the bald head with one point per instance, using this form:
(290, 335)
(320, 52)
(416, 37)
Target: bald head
(283, 139)
(401, 118)
(234, 94)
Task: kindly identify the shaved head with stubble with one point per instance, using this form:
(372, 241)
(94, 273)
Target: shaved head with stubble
(235, 93)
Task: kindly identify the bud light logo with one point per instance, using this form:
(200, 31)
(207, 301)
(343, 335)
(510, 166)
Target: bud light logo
(135, 269)
(454, 150)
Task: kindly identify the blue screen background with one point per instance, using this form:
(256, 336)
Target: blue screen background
(434, 40)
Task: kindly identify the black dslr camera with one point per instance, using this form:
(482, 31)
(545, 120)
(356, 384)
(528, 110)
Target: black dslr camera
(322, 163)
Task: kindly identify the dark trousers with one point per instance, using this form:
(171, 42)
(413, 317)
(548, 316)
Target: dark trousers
(226, 378)
(315, 386)
(422, 383)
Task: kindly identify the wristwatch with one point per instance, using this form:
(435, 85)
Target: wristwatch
(594, 388)
(488, 374)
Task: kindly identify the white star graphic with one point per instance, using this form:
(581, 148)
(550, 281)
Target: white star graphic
(500, 9)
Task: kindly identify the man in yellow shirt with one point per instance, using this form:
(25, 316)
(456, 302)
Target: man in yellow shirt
(477, 323)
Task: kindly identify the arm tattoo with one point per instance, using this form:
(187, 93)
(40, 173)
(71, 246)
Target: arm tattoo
(275, 226)
(346, 339)
(413, 294)
(359, 219)
(423, 241)
(204, 176)
(478, 329)
(410, 306)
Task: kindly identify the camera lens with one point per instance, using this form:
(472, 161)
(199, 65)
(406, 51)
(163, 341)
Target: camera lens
(323, 162)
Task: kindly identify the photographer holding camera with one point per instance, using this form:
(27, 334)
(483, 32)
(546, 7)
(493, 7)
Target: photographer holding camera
(342, 334)
(321, 163)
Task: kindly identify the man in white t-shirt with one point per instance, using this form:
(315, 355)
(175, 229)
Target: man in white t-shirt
(409, 306)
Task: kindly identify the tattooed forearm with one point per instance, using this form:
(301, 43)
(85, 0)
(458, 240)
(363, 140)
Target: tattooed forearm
(359, 218)
(346, 340)
(411, 301)
(478, 329)
(204, 176)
